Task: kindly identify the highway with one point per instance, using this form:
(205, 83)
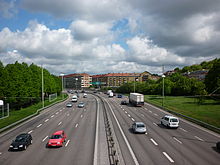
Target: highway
(189, 144)
(78, 123)
(86, 137)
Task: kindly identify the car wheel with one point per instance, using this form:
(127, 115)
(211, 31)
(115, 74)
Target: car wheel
(218, 146)
(161, 123)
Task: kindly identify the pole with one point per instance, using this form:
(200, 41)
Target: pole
(163, 87)
(42, 86)
(62, 86)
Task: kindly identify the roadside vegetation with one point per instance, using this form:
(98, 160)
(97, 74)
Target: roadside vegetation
(208, 111)
(25, 112)
(21, 84)
(188, 96)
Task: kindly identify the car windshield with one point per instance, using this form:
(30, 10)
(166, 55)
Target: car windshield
(19, 139)
(140, 125)
(56, 137)
(173, 120)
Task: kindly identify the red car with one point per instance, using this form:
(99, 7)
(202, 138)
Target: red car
(57, 139)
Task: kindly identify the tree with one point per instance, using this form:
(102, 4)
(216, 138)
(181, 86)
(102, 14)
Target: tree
(212, 79)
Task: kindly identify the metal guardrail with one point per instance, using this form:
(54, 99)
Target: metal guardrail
(201, 123)
(28, 117)
(112, 149)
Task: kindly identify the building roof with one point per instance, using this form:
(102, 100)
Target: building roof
(116, 75)
(76, 75)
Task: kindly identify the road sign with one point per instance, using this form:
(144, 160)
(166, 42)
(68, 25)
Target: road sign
(1, 102)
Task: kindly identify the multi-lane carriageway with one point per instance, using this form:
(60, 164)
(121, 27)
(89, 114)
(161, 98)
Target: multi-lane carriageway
(86, 137)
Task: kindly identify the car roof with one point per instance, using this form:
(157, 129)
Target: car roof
(170, 116)
(58, 132)
(138, 122)
(23, 135)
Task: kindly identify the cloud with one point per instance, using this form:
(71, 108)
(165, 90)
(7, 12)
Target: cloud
(84, 30)
(7, 9)
(143, 51)
(93, 10)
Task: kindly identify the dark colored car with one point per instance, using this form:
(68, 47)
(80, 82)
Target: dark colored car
(218, 145)
(119, 95)
(124, 102)
(21, 142)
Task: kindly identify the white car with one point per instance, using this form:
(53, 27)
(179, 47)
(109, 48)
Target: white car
(170, 121)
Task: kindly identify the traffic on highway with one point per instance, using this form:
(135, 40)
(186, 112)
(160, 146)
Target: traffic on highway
(89, 130)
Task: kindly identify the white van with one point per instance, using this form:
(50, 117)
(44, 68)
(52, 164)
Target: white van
(170, 121)
(74, 98)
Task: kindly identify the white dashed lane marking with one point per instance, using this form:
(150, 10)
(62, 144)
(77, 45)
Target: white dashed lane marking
(60, 123)
(52, 116)
(153, 142)
(57, 113)
(198, 138)
(76, 125)
(177, 140)
(30, 132)
(168, 157)
(132, 119)
(67, 143)
(129, 115)
(183, 130)
(39, 125)
(155, 114)
(44, 138)
(126, 112)
(150, 111)
(155, 124)
(46, 120)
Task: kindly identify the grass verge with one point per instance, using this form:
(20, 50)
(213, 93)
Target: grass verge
(208, 111)
(24, 112)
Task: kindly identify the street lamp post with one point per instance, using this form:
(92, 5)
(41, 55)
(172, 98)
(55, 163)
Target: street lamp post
(62, 74)
(42, 74)
(135, 79)
(163, 76)
(76, 83)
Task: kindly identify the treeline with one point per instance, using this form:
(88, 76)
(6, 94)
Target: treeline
(21, 84)
(178, 84)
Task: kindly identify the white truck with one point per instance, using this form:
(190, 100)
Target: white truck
(74, 98)
(109, 91)
(111, 94)
(136, 99)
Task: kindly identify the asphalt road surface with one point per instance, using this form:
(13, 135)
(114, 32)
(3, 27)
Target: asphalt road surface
(86, 137)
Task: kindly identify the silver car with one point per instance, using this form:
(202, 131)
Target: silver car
(69, 105)
(139, 127)
(81, 105)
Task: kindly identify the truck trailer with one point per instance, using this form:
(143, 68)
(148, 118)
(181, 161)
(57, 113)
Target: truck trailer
(136, 99)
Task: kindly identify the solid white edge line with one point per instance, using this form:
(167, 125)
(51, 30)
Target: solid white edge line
(168, 157)
(125, 139)
(198, 138)
(177, 140)
(67, 143)
(152, 140)
(95, 156)
(44, 138)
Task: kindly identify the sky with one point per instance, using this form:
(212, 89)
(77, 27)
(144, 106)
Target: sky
(109, 36)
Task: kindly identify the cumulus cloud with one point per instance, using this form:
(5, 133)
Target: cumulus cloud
(143, 51)
(115, 36)
(83, 30)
